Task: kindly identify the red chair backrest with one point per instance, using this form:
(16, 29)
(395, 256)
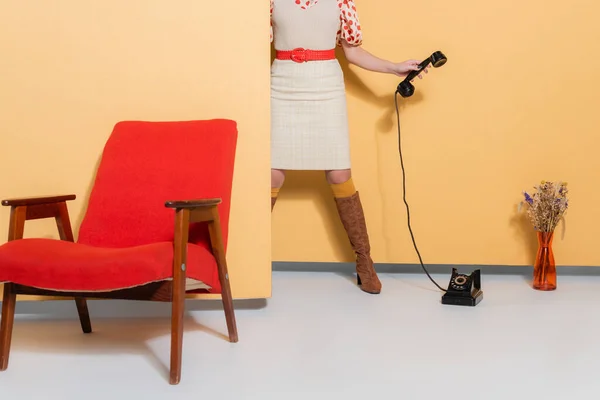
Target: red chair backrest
(145, 164)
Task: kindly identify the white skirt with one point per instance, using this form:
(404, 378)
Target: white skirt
(309, 118)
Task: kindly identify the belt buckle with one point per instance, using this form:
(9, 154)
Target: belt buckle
(298, 55)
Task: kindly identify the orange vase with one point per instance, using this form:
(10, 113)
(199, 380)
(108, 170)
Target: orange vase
(544, 269)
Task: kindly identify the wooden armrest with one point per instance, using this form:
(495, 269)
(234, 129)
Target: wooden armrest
(191, 204)
(27, 209)
(30, 201)
(199, 210)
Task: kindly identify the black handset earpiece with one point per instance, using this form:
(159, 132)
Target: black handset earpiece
(406, 88)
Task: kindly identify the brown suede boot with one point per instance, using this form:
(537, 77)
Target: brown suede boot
(274, 196)
(351, 213)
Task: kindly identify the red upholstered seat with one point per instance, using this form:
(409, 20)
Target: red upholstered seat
(67, 266)
(126, 237)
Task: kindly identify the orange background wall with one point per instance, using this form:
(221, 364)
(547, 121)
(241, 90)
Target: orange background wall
(516, 103)
(69, 70)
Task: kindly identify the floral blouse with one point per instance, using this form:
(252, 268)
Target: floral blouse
(349, 30)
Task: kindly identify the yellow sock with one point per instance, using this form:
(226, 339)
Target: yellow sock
(274, 192)
(345, 189)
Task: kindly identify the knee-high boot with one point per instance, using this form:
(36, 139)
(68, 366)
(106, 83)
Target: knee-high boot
(274, 194)
(351, 214)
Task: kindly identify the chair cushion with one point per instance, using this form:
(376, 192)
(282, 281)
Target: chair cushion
(66, 266)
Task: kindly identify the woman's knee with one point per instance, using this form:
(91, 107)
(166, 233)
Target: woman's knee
(337, 177)
(277, 178)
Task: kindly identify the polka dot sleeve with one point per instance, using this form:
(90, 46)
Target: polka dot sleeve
(350, 29)
(271, 21)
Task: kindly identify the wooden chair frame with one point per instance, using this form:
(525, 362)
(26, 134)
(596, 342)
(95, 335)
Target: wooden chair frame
(186, 212)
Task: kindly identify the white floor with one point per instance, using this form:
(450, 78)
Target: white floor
(318, 337)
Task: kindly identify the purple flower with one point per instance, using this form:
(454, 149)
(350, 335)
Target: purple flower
(528, 198)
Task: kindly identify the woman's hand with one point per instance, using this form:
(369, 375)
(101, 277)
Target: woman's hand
(404, 68)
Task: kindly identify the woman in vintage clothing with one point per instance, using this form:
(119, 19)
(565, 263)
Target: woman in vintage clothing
(309, 121)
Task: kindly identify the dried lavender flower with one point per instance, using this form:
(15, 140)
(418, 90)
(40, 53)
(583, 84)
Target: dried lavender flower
(547, 205)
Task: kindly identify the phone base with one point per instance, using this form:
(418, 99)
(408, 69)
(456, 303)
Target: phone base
(454, 300)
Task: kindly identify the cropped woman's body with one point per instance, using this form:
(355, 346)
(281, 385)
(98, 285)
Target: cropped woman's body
(309, 121)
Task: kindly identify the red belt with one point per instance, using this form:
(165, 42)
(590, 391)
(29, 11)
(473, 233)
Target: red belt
(301, 55)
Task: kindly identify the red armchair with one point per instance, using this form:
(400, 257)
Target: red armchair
(155, 227)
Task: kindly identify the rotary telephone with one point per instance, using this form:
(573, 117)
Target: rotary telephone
(463, 290)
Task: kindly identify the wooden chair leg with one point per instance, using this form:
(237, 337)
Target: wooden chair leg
(8, 317)
(216, 238)
(182, 226)
(63, 223)
(177, 312)
(228, 307)
(84, 315)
